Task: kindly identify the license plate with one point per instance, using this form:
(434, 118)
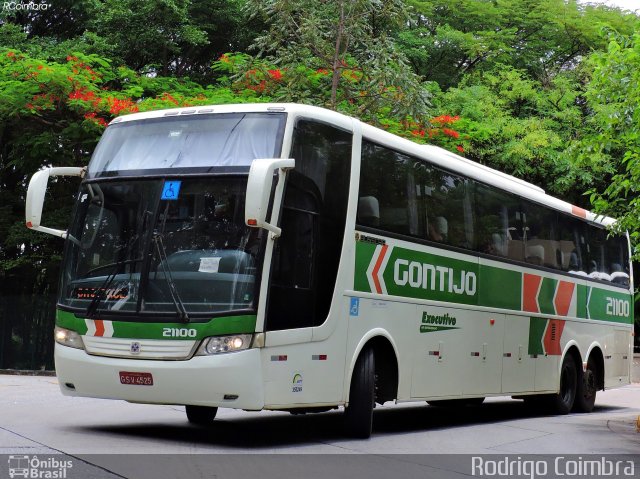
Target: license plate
(137, 379)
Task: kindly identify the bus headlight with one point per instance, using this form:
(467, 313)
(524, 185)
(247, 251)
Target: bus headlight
(224, 344)
(66, 337)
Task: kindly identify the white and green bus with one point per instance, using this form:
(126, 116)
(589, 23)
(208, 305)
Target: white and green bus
(287, 257)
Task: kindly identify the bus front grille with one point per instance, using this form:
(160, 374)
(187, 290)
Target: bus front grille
(139, 348)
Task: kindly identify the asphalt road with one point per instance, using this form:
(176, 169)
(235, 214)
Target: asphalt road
(114, 439)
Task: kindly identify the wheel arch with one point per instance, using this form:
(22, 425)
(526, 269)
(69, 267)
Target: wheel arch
(386, 364)
(595, 351)
(573, 349)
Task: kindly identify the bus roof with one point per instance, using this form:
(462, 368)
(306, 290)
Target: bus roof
(433, 154)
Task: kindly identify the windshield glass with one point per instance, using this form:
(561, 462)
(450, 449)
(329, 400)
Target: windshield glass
(160, 245)
(204, 141)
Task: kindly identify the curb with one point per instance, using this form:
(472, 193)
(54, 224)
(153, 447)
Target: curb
(21, 372)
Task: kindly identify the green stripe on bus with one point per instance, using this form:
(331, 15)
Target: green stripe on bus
(546, 294)
(428, 276)
(607, 305)
(582, 292)
(138, 330)
(364, 253)
(415, 274)
(536, 332)
(499, 288)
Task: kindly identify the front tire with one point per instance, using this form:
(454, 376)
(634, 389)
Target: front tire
(358, 415)
(562, 402)
(201, 415)
(587, 388)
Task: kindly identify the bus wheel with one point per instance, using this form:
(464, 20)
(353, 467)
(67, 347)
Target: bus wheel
(562, 402)
(201, 415)
(587, 387)
(358, 415)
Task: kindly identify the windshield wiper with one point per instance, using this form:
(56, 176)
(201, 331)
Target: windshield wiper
(175, 296)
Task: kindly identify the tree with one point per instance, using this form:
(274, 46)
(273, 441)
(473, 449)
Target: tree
(351, 41)
(52, 113)
(451, 38)
(610, 145)
(520, 126)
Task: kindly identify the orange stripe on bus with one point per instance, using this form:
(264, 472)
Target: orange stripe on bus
(530, 288)
(579, 211)
(564, 294)
(376, 268)
(552, 337)
(99, 327)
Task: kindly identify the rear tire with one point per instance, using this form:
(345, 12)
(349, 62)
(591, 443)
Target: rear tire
(587, 388)
(201, 415)
(562, 402)
(358, 415)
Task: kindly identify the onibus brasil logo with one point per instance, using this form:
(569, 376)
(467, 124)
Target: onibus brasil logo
(36, 468)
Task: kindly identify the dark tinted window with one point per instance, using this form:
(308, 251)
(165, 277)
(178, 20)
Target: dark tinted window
(541, 247)
(401, 194)
(405, 195)
(499, 223)
(572, 244)
(608, 257)
(306, 256)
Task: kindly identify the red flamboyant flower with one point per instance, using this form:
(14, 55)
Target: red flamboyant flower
(450, 132)
(168, 97)
(116, 105)
(444, 119)
(275, 74)
(460, 149)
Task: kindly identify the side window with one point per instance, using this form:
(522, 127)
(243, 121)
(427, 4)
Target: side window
(448, 208)
(617, 253)
(572, 245)
(597, 266)
(293, 254)
(541, 247)
(307, 254)
(499, 223)
(388, 198)
(404, 195)
(608, 256)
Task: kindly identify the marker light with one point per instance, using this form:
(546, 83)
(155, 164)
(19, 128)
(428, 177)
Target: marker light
(224, 344)
(66, 337)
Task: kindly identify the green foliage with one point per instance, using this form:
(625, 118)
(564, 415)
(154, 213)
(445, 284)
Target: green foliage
(450, 38)
(519, 126)
(351, 41)
(610, 144)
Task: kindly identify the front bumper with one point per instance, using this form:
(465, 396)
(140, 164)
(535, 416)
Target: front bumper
(200, 381)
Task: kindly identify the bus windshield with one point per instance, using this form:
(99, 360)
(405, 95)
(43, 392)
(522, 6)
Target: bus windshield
(161, 246)
(203, 141)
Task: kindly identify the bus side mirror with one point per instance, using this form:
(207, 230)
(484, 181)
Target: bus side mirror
(259, 191)
(35, 197)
